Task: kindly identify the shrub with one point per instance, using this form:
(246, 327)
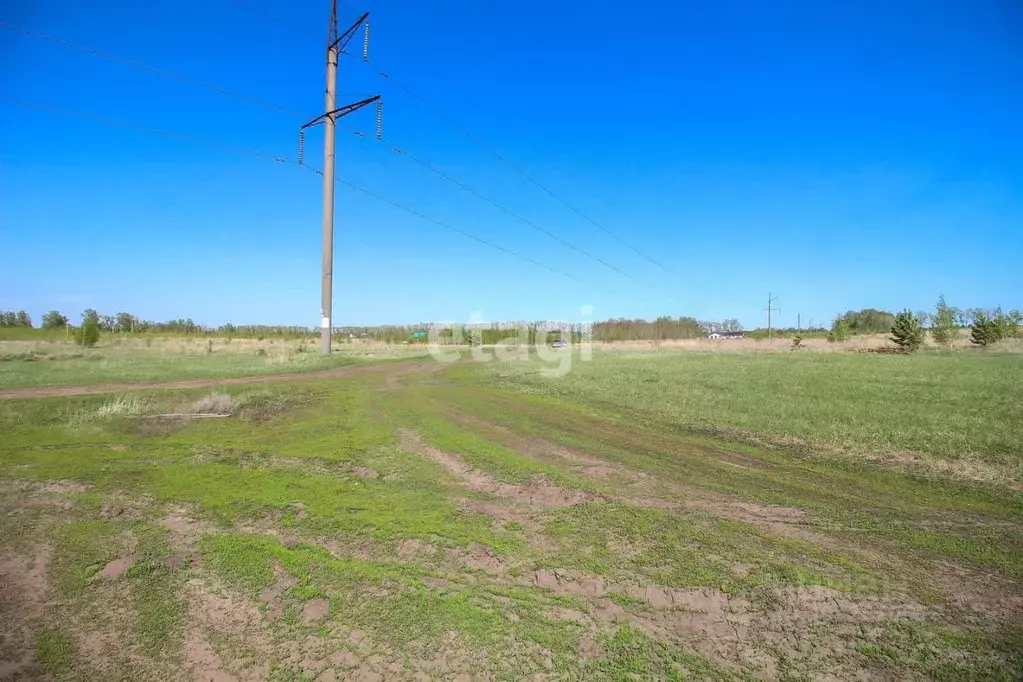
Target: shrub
(797, 342)
(907, 332)
(984, 331)
(88, 334)
(840, 330)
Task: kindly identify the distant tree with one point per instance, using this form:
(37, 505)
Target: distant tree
(90, 314)
(839, 329)
(944, 322)
(54, 320)
(868, 321)
(1008, 323)
(907, 332)
(7, 318)
(126, 322)
(24, 320)
(731, 325)
(88, 334)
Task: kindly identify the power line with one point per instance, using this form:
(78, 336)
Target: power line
(144, 129)
(283, 160)
(151, 69)
(448, 226)
(451, 121)
(270, 105)
(508, 211)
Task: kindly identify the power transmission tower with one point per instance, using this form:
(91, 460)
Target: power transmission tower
(336, 43)
(769, 310)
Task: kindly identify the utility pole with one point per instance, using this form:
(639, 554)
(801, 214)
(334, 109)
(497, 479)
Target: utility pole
(799, 322)
(336, 43)
(769, 309)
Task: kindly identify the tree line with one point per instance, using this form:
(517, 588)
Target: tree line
(907, 328)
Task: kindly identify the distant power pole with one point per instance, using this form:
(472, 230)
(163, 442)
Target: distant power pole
(335, 44)
(769, 310)
(799, 322)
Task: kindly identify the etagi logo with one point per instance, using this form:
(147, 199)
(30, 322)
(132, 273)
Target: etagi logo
(555, 343)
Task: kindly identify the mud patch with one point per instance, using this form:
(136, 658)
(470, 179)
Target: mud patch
(498, 512)
(23, 591)
(598, 471)
(110, 511)
(414, 547)
(230, 618)
(116, 568)
(480, 557)
(273, 595)
(315, 610)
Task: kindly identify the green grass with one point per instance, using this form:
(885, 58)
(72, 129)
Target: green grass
(964, 406)
(55, 651)
(27, 365)
(695, 549)
(632, 655)
(308, 478)
(945, 654)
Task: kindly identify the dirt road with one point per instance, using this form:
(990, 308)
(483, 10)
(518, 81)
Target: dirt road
(390, 369)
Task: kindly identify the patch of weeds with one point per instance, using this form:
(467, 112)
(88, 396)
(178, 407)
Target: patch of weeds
(55, 651)
(945, 654)
(245, 560)
(81, 549)
(160, 609)
(631, 655)
(124, 406)
(693, 550)
(513, 526)
(264, 405)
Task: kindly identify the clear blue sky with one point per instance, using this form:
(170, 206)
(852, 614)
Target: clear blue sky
(838, 154)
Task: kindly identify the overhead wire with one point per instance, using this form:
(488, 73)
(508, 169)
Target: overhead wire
(425, 164)
(151, 69)
(270, 105)
(283, 160)
(451, 121)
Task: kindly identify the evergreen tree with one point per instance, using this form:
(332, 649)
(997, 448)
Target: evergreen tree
(984, 331)
(907, 332)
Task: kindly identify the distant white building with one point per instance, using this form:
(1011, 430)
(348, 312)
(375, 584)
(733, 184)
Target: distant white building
(714, 337)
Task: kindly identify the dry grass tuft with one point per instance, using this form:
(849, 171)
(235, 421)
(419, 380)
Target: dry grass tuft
(124, 406)
(214, 403)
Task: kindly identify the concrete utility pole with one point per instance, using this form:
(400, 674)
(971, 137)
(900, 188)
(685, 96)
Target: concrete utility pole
(335, 45)
(329, 125)
(769, 309)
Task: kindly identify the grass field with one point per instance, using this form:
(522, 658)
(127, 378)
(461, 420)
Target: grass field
(36, 363)
(665, 516)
